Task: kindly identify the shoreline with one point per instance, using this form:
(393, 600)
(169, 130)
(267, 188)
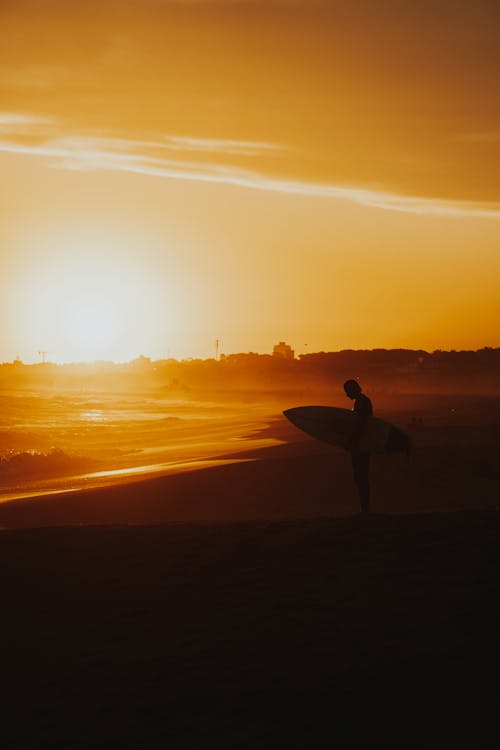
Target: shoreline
(303, 479)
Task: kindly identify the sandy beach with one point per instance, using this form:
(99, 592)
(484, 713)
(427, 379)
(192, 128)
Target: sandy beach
(274, 473)
(257, 634)
(249, 605)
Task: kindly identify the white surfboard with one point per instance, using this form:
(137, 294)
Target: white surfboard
(336, 426)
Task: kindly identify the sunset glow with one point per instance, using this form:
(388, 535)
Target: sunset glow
(89, 303)
(175, 172)
(249, 373)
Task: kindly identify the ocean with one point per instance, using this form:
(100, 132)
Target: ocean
(57, 442)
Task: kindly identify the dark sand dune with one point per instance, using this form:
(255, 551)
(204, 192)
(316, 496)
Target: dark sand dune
(301, 634)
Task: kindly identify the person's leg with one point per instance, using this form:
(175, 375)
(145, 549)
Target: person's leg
(364, 486)
(361, 469)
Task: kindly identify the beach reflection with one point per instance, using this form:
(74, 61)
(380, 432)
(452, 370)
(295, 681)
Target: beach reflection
(94, 415)
(96, 479)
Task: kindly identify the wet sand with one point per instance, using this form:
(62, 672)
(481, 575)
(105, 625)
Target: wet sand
(301, 479)
(253, 607)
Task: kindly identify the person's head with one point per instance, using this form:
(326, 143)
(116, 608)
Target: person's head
(352, 388)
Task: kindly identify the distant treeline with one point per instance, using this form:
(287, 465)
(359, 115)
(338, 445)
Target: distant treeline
(391, 370)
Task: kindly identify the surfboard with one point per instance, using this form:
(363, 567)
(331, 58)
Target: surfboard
(335, 426)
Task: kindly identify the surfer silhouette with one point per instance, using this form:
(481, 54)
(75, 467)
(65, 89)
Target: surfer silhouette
(360, 459)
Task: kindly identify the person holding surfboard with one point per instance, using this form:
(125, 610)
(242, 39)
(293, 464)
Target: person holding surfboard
(356, 431)
(360, 459)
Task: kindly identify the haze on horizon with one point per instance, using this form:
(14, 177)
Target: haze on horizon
(177, 171)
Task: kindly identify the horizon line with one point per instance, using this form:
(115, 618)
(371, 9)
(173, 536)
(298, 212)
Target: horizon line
(141, 358)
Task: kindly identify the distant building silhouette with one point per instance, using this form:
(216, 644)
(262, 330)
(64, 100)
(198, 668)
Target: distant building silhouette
(283, 350)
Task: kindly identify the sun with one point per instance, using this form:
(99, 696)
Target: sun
(91, 306)
(95, 324)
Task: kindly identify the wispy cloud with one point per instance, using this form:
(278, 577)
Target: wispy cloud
(23, 124)
(173, 143)
(221, 146)
(143, 157)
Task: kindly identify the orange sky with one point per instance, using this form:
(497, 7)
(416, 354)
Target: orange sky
(177, 171)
